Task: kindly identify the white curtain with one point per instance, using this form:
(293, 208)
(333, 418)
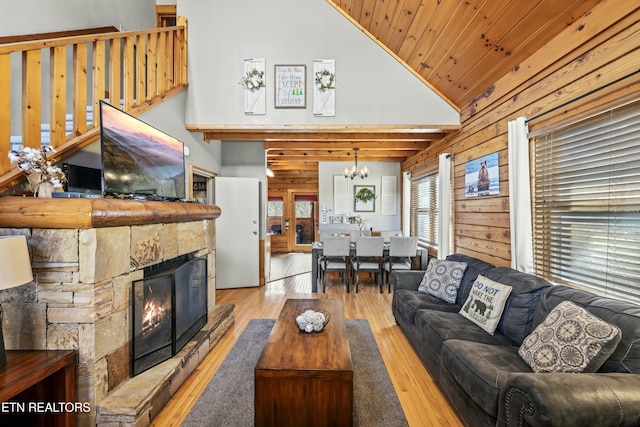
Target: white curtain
(444, 217)
(520, 196)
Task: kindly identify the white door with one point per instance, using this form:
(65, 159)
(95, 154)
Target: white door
(237, 232)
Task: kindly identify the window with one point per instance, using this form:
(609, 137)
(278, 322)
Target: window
(586, 204)
(424, 209)
(274, 215)
(304, 209)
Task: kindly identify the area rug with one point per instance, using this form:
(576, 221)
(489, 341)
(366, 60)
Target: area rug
(227, 401)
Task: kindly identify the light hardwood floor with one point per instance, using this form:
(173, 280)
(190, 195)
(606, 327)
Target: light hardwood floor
(421, 399)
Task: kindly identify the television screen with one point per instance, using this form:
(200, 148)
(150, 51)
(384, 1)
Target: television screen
(139, 159)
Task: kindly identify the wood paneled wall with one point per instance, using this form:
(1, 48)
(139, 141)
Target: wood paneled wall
(593, 64)
(284, 184)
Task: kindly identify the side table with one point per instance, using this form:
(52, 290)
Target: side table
(38, 387)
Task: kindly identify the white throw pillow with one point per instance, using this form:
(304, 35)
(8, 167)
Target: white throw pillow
(570, 339)
(485, 303)
(442, 279)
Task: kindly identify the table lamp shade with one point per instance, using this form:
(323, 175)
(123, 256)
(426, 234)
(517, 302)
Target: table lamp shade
(14, 254)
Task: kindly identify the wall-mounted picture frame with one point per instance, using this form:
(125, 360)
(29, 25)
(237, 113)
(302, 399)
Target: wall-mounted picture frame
(364, 198)
(482, 176)
(290, 86)
(254, 83)
(337, 219)
(324, 87)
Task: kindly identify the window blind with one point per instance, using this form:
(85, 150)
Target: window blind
(424, 209)
(586, 205)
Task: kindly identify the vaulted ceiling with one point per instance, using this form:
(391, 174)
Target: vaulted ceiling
(459, 48)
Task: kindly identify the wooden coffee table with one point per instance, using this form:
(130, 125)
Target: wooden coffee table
(305, 379)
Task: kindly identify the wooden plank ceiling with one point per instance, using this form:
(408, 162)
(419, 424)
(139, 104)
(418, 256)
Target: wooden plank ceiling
(459, 48)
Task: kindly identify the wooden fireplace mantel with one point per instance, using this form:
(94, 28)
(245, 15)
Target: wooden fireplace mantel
(33, 212)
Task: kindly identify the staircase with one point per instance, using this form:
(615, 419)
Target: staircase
(133, 69)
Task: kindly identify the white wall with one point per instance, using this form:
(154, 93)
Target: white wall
(44, 16)
(371, 86)
(326, 172)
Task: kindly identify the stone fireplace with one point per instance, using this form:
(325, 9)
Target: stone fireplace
(86, 255)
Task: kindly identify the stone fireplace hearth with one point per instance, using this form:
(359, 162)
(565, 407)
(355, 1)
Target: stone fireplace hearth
(85, 255)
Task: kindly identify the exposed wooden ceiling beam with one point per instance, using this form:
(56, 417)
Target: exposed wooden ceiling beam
(324, 133)
(347, 145)
(339, 153)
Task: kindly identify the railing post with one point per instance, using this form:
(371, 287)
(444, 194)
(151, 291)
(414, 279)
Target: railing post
(5, 111)
(79, 88)
(99, 80)
(31, 98)
(115, 79)
(58, 99)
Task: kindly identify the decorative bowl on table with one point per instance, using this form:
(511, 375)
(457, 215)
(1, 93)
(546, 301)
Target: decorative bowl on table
(311, 320)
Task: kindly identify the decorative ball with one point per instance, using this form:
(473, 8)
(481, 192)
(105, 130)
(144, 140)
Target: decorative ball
(311, 321)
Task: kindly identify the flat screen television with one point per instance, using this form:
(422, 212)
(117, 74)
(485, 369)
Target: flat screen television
(138, 159)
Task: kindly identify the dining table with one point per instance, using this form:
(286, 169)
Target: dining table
(422, 258)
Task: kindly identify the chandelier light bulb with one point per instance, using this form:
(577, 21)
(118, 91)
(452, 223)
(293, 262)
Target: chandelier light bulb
(354, 171)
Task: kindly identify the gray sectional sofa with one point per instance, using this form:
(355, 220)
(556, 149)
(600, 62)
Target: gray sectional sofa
(484, 377)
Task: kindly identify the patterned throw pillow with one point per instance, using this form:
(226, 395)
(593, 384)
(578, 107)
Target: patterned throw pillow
(442, 279)
(570, 339)
(485, 303)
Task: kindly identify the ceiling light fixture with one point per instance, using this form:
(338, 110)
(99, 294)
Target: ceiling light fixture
(270, 173)
(354, 171)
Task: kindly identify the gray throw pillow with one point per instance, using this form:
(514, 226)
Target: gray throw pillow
(442, 279)
(570, 339)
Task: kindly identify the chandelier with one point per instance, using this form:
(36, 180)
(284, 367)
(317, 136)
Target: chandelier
(354, 171)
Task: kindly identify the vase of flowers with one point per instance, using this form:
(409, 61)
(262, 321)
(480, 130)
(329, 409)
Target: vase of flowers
(43, 176)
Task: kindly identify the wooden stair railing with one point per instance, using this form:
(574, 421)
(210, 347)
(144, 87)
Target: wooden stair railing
(132, 70)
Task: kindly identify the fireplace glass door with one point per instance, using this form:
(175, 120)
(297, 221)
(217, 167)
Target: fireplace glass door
(152, 317)
(169, 308)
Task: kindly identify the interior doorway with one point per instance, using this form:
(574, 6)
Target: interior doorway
(305, 221)
(201, 185)
(292, 221)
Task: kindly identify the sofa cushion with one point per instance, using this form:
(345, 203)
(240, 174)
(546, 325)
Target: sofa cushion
(569, 340)
(625, 315)
(474, 267)
(406, 303)
(442, 279)
(485, 303)
(481, 370)
(435, 327)
(517, 317)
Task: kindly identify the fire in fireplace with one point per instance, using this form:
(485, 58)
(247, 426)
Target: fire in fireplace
(169, 308)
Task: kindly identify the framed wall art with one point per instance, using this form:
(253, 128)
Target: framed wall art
(364, 198)
(290, 86)
(253, 82)
(482, 176)
(324, 87)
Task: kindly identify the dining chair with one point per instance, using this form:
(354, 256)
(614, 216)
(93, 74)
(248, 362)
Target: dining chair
(335, 257)
(402, 250)
(369, 251)
(387, 234)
